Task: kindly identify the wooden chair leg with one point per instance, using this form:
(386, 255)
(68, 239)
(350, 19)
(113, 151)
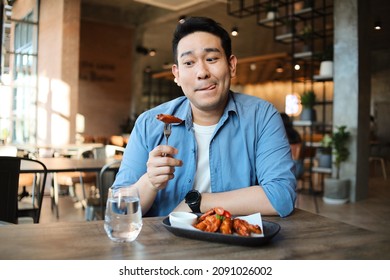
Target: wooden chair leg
(383, 164)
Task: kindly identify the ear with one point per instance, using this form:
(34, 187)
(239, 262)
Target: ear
(233, 65)
(175, 72)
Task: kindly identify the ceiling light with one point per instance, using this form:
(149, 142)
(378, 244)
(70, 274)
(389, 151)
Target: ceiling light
(252, 66)
(234, 31)
(378, 25)
(297, 67)
(279, 69)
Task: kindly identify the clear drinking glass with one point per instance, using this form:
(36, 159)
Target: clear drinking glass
(123, 218)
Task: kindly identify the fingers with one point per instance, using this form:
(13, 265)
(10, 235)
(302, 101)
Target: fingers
(163, 150)
(160, 168)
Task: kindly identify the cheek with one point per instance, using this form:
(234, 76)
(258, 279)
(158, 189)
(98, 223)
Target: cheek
(185, 77)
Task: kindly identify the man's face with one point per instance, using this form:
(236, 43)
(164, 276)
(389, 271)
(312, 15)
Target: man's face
(203, 71)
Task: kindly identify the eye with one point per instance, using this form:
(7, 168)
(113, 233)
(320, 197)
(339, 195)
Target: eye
(212, 59)
(188, 63)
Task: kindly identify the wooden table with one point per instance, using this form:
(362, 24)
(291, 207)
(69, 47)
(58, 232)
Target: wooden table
(56, 165)
(60, 164)
(303, 235)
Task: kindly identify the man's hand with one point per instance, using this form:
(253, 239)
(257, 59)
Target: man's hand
(161, 166)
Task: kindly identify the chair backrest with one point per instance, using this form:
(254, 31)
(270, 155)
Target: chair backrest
(106, 179)
(107, 151)
(10, 170)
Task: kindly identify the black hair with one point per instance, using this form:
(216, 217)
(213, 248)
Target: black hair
(202, 24)
(292, 135)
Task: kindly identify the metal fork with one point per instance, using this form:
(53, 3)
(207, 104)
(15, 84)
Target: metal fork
(167, 133)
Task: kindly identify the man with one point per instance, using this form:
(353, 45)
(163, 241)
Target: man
(231, 150)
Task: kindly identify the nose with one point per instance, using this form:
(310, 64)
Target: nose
(202, 71)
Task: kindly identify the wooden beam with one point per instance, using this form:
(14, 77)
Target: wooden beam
(262, 57)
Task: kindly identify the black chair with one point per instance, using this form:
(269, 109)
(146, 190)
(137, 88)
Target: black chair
(11, 208)
(96, 205)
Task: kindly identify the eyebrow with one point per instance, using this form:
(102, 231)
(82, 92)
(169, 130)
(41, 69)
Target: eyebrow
(208, 50)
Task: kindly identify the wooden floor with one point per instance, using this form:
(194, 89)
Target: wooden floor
(372, 213)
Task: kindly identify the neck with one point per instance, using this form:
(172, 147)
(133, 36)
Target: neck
(206, 118)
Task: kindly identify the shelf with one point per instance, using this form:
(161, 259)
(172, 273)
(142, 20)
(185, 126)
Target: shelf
(307, 123)
(307, 54)
(286, 38)
(325, 170)
(322, 78)
(269, 22)
(304, 11)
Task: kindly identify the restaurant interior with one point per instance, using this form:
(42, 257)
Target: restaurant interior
(76, 74)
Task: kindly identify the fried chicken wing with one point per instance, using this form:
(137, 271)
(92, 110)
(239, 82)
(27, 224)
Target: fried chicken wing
(241, 227)
(219, 220)
(244, 228)
(209, 224)
(208, 213)
(168, 118)
(226, 226)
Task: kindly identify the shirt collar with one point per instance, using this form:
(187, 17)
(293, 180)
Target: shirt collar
(185, 111)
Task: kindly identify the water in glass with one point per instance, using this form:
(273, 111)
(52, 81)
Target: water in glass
(123, 217)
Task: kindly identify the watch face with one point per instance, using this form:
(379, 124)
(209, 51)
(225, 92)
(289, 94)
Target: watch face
(192, 196)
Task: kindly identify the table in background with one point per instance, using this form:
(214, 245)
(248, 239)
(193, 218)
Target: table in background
(303, 235)
(56, 165)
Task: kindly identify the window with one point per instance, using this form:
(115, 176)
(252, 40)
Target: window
(19, 75)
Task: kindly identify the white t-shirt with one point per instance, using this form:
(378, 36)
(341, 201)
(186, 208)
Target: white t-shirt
(202, 176)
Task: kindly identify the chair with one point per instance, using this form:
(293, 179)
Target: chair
(108, 151)
(71, 179)
(10, 170)
(296, 154)
(378, 154)
(24, 179)
(96, 205)
(301, 153)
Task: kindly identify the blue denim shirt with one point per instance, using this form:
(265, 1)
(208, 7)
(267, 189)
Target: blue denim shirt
(249, 147)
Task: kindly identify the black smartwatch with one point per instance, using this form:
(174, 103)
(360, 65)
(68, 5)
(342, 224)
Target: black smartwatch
(193, 200)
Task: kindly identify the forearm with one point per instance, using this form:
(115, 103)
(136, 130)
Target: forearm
(243, 201)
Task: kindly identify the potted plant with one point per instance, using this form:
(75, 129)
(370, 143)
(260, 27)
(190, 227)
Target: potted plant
(324, 155)
(336, 189)
(306, 35)
(289, 25)
(308, 100)
(326, 66)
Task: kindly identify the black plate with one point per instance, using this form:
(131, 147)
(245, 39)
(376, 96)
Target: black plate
(270, 229)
